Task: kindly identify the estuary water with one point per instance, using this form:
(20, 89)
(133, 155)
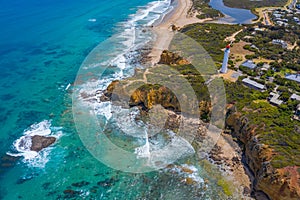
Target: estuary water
(232, 15)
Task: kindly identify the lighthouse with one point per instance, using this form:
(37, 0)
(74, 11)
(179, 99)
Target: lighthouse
(225, 60)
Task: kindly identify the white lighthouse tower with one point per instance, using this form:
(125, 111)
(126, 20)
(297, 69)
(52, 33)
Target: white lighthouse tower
(225, 60)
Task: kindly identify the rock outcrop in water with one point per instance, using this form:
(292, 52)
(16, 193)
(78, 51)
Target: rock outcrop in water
(278, 184)
(41, 142)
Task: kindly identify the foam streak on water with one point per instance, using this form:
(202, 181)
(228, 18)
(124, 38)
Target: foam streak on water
(117, 57)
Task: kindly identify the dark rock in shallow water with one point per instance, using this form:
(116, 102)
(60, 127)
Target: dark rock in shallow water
(93, 191)
(8, 161)
(47, 63)
(46, 185)
(71, 193)
(8, 158)
(7, 97)
(106, 183)
(41, 142)
(51, 193)
(24, 179)
(80, 184)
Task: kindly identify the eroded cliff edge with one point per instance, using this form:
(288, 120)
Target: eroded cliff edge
(278, 183)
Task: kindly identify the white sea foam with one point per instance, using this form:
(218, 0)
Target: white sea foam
(143, 151)
(42, 129)
(118, 55)
(177, 148)
(130, 36)
(158, 150)
(187, 171)
(68, 86)
(104, 109)
(22, 146)
(92, 20)
(120, 51)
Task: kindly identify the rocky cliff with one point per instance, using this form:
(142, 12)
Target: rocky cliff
(268, 182)
(170, 58)
(142, 90)
(277, 184)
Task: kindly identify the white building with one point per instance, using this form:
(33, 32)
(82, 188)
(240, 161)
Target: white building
(280, 42)
(295, 97)
(224, 68)
(253, 84)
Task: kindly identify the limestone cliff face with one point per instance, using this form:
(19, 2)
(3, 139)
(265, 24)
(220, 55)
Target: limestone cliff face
(146, 96)
(149, 95)
(169, 58)
(137, 92)
(278, 184)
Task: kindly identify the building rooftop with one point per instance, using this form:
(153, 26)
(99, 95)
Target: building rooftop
(254, 84)
(295, 97)
(276, 102)
(249, 64)
(253, 46)
(281, 42)
(277, 15)
(267, 66)
(293, 77)
(275, 99)
(259, 29)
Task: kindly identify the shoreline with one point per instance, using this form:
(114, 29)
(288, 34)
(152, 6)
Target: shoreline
(229, 153)
(163, 32)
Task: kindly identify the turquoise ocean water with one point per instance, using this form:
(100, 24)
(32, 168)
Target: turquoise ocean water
(42, 46)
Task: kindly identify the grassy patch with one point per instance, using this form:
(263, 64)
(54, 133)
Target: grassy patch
(226, 186)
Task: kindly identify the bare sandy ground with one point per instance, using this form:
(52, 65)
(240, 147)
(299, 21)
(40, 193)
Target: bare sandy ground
(164, 34)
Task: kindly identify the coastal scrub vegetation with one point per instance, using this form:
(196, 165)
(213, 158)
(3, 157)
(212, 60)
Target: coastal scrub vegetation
(204, 10)
(284, 61)
(262, 40)
(254, 4)
(211, 37)
(274, 125)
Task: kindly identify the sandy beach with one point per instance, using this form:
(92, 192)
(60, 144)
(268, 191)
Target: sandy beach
(164, 34)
